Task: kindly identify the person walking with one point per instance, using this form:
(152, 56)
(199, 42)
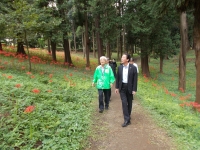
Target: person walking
(126, 86)
(104, 79)
(132, 61)
(114, 67)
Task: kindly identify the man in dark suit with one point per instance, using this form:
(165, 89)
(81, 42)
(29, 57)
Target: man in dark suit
(126, 85)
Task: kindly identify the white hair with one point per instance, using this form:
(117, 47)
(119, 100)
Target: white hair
(103, 58)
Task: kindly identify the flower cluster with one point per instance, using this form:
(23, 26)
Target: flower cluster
(29, 109)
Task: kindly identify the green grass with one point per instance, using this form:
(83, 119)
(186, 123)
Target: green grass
(160, 95)
(64, 103)
(62, 98)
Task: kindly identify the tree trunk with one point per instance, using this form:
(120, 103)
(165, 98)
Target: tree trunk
(183, 50)
(29, 57)
(93, 44)
(53, 48)
(98, 38)
(83, 44)
(49, 46)
(161, 64)
(20, 48)
(74, 32)
(196, 35)
(108, 50)
(87, 42)
(68, 59)
(1, 49)
(70, 49)
(145, 66)
(118, 49)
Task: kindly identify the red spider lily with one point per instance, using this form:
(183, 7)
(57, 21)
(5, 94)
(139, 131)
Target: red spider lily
(23, 67)
(49, 91)
(29, 109)
(50, 80)
(18, 85)
(50, 75)
(70, 74)
(32, 76)
(2, 67)
(28, 73)
(182, 105)
(182, 90)
(10, 77)
(173, 94)
(36, 91)
(41, 73)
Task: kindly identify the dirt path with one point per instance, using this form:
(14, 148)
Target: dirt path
(142, 134)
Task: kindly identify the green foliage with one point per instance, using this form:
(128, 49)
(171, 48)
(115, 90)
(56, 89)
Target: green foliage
(62, 107)
(172, 108)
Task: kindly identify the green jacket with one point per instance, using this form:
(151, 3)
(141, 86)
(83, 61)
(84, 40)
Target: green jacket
(103, 78)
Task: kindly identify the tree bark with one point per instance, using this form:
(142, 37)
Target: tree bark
(161, 64)
(108, 50)
(49, 46)
(20, 48)
(53, 48)
(93, 44)
(74, 32)
(68, 59)
(145, 66)
(1, 48)
(183, 50)
(98, 38)
(118, 49)
(87, 42)
(83, 44)
(196, 35)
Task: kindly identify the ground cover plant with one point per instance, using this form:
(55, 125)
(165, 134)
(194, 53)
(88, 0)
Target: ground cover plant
(172, 108)
(47, 108)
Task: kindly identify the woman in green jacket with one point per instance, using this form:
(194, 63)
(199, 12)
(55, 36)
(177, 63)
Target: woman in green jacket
(103, 79)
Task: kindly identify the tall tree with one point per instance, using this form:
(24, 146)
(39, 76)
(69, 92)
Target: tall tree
(63, 10)
(196, 36)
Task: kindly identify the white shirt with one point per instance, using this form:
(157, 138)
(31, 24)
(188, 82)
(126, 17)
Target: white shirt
(125, 74)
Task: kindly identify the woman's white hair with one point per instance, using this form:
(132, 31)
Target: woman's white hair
(103, 58)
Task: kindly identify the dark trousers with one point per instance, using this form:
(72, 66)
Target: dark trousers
(104, 92)
(109, 93)
(126, 99)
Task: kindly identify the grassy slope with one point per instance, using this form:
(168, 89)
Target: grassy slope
(160, 95)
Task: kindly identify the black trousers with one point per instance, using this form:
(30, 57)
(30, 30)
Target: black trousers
(126, 99)
(106, 93)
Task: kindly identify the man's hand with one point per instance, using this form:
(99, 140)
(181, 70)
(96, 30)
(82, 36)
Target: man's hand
(133, 92)
(116, 91)
(93, 84)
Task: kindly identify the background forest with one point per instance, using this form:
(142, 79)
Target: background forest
(158, 29)
(148, 27)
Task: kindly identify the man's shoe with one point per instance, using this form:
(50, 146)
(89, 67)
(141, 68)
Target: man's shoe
(126, 123)
(106, 108)
(100, 111)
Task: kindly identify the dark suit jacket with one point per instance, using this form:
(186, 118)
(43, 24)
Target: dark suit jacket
(132, 78)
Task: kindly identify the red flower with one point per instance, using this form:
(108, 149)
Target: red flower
(10, 77)
(29, 109)
(50, 75)
(36, 91)
(71, 74)
(28, 73)
(18, 85)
